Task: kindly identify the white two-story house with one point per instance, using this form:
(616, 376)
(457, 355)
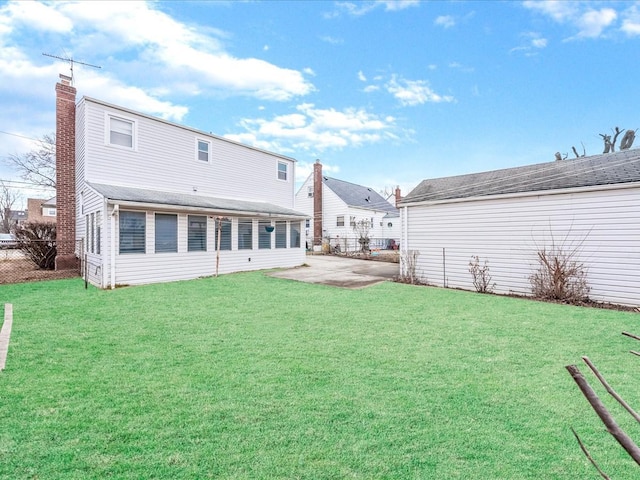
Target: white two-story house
(335, 207)
(156, 201)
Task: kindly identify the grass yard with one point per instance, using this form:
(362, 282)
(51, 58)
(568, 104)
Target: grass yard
(251, 377)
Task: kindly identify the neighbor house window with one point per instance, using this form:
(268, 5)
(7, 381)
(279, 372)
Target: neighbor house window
(264, 234)
(309, 192)
(294, 235)
(203, 150)
(223, 232)
(281, 234)
(307, 223)
(282, 170)
(340, 221)
(132, 232)
(197, 233)
(50, 212)
(166, 233)
(352, 222)
(245, 234)
(121, 132)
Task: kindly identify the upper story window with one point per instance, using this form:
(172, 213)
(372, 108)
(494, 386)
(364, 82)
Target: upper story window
(204, 149)
(309, 192)
(283, 170)
(340, 221)
(121, 132)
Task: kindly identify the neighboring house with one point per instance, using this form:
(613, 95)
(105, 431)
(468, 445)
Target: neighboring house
(335, 206)
(11, 219)
(154, 201)
(41, 210)
(588, 206)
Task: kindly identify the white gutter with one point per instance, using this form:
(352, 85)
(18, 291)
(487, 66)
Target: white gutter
(114, 216)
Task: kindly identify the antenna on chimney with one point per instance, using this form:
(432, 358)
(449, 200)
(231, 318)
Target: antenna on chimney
(71, 62)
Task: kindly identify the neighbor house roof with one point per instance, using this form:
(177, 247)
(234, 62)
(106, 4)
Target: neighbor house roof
(131, 195)
(359, 196)
(606, 169)
(51, 203)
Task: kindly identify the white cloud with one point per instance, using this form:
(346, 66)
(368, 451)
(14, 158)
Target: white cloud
(36, 15)
(364, 7)
(332, 40)
(593, 22)
(313, 129)
(446, 21)
(371, 88)
(361, 76)
(588, 22)
(631, 22)
(175, 52)
(414, 92)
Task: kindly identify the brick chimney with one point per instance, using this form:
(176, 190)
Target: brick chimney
(66, 174)
(317, 203)
(398, 196)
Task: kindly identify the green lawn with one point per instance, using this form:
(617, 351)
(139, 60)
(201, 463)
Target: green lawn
(251, 377)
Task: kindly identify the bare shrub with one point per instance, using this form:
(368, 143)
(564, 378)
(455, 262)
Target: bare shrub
(481, 276)
(408, 264)
(38, 242)
(560, 275)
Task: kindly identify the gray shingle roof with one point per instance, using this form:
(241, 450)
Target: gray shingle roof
(606, 169)
(359, 196)
(222, 205)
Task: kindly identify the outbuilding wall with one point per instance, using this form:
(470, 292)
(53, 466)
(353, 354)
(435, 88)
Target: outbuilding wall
(601, 227)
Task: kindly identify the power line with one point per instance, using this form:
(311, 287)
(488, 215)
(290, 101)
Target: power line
(20, 136)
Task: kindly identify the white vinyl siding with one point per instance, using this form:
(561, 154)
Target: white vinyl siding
(602, 226)
(162, 151)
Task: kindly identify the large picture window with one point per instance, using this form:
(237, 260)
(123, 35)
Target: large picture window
(132, 232)
(281, 234)
(121, 132)
(223, 230)
(245, 234)
(294, 240)
(264, 234)
(197, 233)
(166, 233)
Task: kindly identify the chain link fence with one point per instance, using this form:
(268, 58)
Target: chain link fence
(35, 261)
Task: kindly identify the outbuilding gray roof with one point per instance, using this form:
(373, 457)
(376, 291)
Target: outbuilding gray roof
(359, 196)
(606, 169)
(173, 199)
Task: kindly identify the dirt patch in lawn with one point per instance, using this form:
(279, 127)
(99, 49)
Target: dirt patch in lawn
(22, 270)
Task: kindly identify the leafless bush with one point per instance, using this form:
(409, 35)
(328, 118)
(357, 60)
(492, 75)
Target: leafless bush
(560, 275)
(481, 276)
(38, 242)
(408, 263)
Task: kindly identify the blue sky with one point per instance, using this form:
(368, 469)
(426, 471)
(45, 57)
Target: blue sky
(384, 93)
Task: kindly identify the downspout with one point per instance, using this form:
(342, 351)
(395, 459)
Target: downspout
(114, 214)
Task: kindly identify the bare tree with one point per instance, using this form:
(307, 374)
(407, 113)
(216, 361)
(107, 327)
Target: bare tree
(38, 166)
(610, 145)
(7, 200)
